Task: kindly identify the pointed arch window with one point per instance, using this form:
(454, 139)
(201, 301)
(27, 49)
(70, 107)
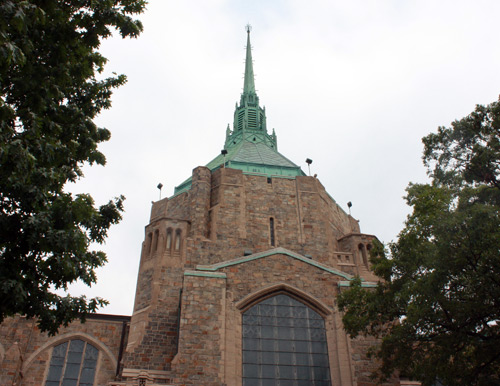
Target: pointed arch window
(73, 363)
(155, 240)
(177, 245)
(284, 342)
(368, 249)
(168, 243)
(149, 243)
(362, 252)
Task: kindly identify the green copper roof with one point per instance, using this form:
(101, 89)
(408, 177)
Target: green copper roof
(249, 83)
(253, 153)
(249, 146)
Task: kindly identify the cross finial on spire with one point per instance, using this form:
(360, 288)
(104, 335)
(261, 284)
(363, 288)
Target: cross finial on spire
(248, 28)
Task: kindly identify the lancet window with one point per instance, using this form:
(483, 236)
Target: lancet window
(271, 232)
(155, 240)
(168, 243)
(177, 245)
(149, 243)
(362, 252)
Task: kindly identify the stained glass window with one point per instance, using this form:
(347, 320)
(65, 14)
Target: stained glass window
(73, 363)
(284, 344)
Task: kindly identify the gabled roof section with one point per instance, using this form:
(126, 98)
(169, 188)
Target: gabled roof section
(272, 252)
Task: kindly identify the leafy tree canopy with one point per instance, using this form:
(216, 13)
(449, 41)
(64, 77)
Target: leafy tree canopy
(49, 95)
(437, 310)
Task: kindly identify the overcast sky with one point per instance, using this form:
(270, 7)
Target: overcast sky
(353, 85)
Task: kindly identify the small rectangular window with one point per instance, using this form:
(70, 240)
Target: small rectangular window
(271, 230)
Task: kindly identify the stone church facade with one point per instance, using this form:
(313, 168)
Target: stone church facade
(238, 279)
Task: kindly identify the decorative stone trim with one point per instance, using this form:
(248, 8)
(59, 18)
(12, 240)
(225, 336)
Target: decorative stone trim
(150, 375)
(271, 252)
(205, 274)
(367, 284)
(356, 234)
(274, 289)
(141, 310)
(67, 337)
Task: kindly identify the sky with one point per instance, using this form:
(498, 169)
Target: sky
(352, 85)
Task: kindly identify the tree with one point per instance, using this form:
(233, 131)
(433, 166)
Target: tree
(437, 308)
(50, 92)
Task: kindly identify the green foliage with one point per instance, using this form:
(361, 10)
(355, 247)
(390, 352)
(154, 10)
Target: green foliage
(49, 96)
(438, 308)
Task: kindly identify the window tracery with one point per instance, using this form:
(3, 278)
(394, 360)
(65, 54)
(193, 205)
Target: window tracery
(73, 363)
(284, 340)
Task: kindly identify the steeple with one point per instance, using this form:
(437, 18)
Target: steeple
(249, 117)
(248, 146)
(249, 84)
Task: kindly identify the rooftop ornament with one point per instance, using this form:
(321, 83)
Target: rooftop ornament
(159, 186)
(224, 152)
(309, 162)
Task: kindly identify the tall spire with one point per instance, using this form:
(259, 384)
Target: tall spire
(249, 84)
(248, 146)
(249, 118)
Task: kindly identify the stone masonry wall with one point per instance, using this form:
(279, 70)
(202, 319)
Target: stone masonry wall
(239, 210)
(200, 359)
(227, 214)
(28, 351)
(306, 219)
(210, 332)
(281, 273)
(364, 366)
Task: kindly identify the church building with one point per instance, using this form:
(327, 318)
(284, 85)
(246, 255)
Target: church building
(238, 278)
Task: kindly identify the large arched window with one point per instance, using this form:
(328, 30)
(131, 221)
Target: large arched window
(284, 343)
(73, 363)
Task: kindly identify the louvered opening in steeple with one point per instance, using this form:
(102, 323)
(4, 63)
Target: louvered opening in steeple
(248, 146)
(241, 118)
(249, 115)
(252, 118)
